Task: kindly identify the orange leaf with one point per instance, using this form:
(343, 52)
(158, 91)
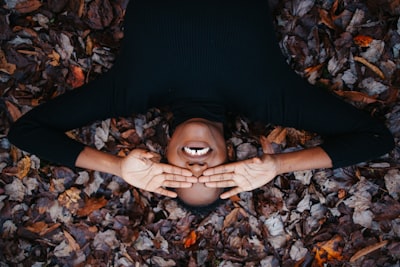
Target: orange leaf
(357, 96)
(24, 166)
(277, 136)
(42, 228)
(5, 66)
(28, 6)
(76, 77)
(14, 112)
(190, 239)
(328, 251)
(368, 250)
(91, 205)
(362, 40)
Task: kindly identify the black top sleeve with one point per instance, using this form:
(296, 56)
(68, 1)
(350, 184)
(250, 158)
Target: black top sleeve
(42, 130)
(223, 49)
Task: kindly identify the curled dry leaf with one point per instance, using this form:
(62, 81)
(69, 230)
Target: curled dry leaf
(27, 6)
(190, 240)
(91, 205)
(6, 67)
(328, 251)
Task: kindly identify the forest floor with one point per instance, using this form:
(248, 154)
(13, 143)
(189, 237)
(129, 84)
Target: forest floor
(54, 216)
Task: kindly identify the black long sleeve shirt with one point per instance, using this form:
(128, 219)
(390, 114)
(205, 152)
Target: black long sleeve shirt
(202, 51)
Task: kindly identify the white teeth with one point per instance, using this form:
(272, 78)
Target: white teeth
(196, 151)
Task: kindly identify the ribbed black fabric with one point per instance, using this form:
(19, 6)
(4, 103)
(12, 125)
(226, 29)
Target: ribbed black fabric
(181, 52)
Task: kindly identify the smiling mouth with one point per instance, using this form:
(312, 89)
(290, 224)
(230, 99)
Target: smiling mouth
(196, 151)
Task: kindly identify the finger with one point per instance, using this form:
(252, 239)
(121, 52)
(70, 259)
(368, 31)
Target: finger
(179, 178)
(165, 192)
(220, 169)
(221, 184)
(217, 178)
(167, 168)
(230, 193)
(176, 184)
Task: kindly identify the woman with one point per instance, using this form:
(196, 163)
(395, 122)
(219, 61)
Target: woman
(201, 58)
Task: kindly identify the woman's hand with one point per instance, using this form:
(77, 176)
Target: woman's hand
(141, 168)
(242, 175)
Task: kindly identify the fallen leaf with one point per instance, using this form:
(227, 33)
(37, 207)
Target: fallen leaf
(370, 65)
(367, 250)
(42, 228)
(190, 240)
(24, 166)
(6, 67)
(358, 96)
(278, 135)
(76, 77)
(363, 40)
(328, 251)
(91, 205)
(14, 112)
(28, 6)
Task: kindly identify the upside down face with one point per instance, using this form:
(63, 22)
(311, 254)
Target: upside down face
(197, 144)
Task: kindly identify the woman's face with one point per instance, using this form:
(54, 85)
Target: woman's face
(197, 144)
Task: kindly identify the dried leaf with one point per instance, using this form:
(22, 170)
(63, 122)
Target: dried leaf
(6, 67)
(71, 241)
(42, 228)
(363, 40)
(76, 77)
(328, 251)
(367, 250)
(27, 6)
(370, 65)
(91, 205)
(24, 166)
(392, 182)
(278, 135)
(190, 240)
(14, 112)
(358, 96)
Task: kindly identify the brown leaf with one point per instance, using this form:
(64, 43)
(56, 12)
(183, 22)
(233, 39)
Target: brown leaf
(367, 250)
(278, 135)
(28, 6)
(24, 166)
(76, 77)
(328, 251)
(91, 205)
(370, 65)
(232, 217)
(190, 240)
(6, 67)
(14, 112)
(363, 40)
(100, 14)
(42, 228)
(357, 96)
(71, 241)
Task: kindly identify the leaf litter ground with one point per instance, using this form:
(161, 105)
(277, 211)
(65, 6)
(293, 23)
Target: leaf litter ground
(54, 216)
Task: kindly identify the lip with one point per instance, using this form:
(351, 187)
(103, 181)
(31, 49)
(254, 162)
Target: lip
(199, 145)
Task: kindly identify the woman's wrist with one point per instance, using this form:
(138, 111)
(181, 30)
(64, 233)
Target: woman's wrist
(96, 160)
(307, 159)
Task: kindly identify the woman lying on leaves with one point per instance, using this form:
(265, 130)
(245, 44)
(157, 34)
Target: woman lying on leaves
(201, 58)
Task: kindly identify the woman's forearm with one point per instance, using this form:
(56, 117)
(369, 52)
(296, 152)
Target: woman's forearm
(307, 159)
(94, 159)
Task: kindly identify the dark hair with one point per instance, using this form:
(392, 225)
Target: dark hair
(201, 210)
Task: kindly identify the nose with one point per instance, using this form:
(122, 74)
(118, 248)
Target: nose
(196, 168)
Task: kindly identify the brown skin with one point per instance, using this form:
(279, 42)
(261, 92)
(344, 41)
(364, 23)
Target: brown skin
(197, 133)
(200, 178)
